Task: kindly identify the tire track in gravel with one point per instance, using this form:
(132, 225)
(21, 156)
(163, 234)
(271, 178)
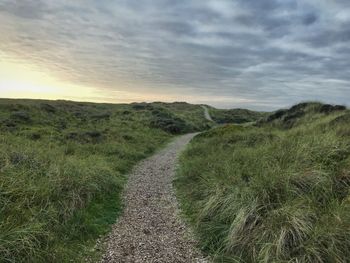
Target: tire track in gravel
(150, 229)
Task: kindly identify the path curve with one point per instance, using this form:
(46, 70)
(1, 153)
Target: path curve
(206, 113)
(150, 229)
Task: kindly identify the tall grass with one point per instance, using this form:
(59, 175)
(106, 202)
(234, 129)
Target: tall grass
(62, 168)
(271, 194)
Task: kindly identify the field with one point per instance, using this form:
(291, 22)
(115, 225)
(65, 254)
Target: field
(276, 191)
(63, 166)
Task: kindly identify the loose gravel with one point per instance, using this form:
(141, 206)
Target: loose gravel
(206, 114)
(150, 229)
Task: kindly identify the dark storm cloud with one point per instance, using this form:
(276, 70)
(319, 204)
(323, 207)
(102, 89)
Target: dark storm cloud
(259, 54)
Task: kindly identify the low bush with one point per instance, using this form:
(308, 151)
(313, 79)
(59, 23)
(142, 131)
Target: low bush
(48, 107)
(168, 122)
(21, 116)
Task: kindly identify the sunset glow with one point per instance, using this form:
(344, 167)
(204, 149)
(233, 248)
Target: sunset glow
(214, 52)
(22, 80)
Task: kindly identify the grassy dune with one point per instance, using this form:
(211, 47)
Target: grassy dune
(238, 116)
(275, 192)
(62, 168)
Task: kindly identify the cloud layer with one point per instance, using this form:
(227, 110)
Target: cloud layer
(228, 53)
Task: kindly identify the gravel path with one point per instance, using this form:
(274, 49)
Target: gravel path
(206, 113)
(150, 229)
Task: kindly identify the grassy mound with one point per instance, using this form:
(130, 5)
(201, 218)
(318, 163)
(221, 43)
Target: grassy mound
(237, 116)
(176, 118)
(62, 167)
(299, 114)
(273, 193)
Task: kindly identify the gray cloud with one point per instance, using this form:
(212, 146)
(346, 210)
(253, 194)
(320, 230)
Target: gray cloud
(242, 53)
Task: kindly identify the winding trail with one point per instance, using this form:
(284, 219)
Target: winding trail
(150, 229)
(206, 113)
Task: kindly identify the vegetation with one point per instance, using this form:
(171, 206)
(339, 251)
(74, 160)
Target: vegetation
(238, 116)
(63, 165)
(275, 192)
(178, 117)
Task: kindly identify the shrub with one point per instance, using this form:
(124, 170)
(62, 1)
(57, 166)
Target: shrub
(142, 106)
(48, 107)
(327, 108)
(168, 122)
(277, 115)
(102, 116)
(21, 116)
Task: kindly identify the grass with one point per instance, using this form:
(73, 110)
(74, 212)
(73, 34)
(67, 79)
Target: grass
(237, 116)
(275, 192)
(63, 166)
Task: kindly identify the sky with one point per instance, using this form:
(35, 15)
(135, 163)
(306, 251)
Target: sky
(262, 55)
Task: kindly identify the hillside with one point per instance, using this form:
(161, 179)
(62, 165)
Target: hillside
(278, 191)
(63, 166)
(177, 117)
(302, 113)
(238, 116)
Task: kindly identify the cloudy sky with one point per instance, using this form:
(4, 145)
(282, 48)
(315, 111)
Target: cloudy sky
(261, 54)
